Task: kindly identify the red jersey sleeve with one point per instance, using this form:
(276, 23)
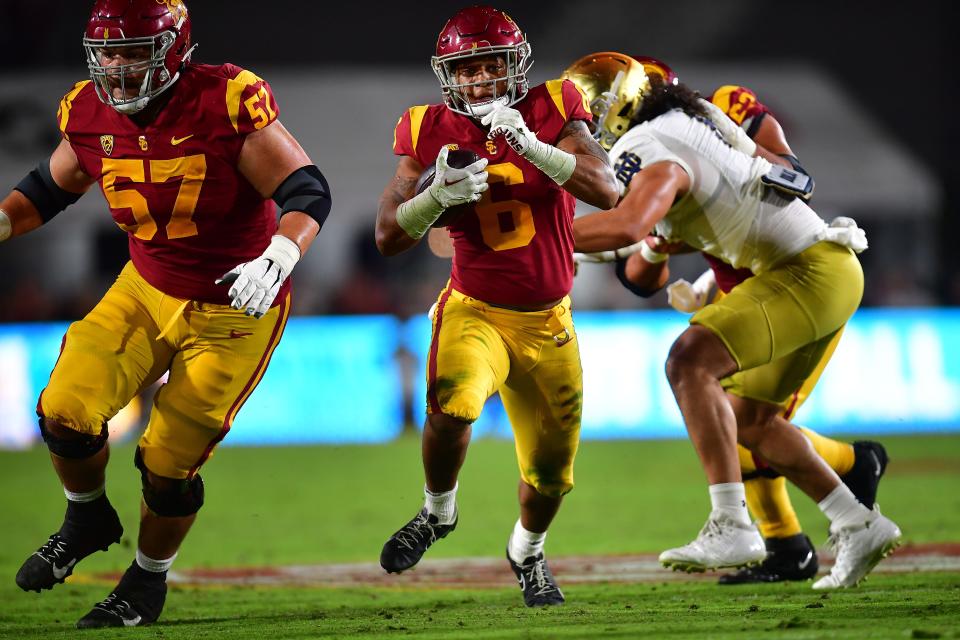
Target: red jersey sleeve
(569, 100)
(250, 102)
(66, 107)
(406, 135)
(741, 105)
(575, 101)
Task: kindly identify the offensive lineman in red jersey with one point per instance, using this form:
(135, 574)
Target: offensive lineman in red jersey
(503, 322)
(188, 157)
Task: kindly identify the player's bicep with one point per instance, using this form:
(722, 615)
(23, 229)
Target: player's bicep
(575, 138)
(66, 171)
(268, 156)
(771, 137)
(654, 190)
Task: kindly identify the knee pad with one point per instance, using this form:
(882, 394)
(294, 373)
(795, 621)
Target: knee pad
(176, 499)
(83, 446)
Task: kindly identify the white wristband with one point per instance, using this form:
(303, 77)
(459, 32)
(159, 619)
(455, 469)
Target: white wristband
(652, 256)
(417, 215)
(6, 229)
(557, 164)
(284, 252)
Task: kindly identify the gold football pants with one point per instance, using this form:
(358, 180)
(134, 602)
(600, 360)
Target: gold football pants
(216, 356)
(532, 358)
(792, 300)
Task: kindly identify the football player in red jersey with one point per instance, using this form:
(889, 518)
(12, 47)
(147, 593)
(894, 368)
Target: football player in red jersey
(503, 321)
(188, 157)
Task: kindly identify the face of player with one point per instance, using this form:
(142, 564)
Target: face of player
(484, 77)
(129, 64)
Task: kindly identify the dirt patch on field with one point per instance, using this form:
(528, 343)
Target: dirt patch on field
(494, 572)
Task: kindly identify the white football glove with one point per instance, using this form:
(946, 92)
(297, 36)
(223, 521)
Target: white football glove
(845, 232)
(688, 298)
(451, 187)
(254, 285)
(507, 123)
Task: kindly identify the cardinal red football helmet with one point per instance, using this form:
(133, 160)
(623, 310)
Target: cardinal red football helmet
(657, 67)
(481, 31)
(161, 28)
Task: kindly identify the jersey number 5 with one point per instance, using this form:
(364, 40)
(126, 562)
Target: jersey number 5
(505, 224)
(193, 169)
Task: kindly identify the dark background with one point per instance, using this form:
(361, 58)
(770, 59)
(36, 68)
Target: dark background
(897, 60)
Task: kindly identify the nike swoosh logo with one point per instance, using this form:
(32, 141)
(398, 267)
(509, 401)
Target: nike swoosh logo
(240, 334)
(175, 140)
(806, 561)
(60, 572)
(131, 622)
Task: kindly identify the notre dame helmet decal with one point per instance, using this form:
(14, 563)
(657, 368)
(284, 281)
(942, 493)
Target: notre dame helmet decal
(614, 84)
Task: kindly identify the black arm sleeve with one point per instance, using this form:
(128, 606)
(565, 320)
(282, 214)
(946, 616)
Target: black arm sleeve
(305, 190)
(755, 123)
(621, 269)
(45, 194)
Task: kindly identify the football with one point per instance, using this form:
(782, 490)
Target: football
(458, 159)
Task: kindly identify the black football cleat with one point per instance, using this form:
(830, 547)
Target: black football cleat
(537, 583)
(405, 548)
(136, 601)
(788, 559)
(870, 462)
(55, 560)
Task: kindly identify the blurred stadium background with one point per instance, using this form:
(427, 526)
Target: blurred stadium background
(864, 94)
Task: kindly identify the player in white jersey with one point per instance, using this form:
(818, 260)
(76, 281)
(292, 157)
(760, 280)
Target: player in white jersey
(684, 180)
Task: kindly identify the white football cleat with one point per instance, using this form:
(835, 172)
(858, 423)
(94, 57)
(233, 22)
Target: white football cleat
(858, 549)
(723, 543)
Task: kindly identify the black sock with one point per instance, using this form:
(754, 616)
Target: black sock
(139, 573)
(82, 515)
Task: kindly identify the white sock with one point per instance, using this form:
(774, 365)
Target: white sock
(730, 499)
(154, 566)
(86, 496)
(443, 504)
(524, 544)
(842, 508)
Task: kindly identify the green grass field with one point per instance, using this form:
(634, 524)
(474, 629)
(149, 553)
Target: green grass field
(314, 505)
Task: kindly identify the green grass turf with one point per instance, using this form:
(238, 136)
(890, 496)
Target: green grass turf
(337, 504)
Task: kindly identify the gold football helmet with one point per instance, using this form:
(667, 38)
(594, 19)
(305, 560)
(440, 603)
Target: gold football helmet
(614, 84)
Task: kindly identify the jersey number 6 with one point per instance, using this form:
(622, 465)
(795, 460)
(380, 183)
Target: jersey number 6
(505, 224)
